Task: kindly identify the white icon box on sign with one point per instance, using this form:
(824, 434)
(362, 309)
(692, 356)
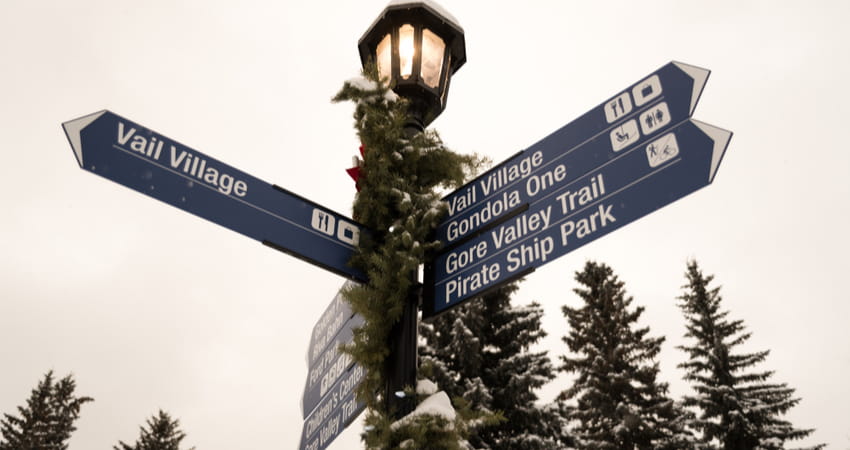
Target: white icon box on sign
(348, 233)
(323, 222)
(655, 118)
(662, 150)
(624, 135)
(647, 90)
(618, 107)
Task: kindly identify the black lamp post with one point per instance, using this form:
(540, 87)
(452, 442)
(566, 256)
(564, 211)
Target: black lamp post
(417, 46)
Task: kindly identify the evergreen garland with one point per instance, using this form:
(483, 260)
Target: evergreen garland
(399, 203)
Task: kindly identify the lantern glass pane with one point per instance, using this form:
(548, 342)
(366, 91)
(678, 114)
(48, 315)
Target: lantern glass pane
(446, 80)
(385, 59)
(405, 50)
(433, 49)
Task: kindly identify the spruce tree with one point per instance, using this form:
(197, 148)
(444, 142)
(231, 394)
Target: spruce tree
(616, 401)
(480, 352)
(47, 421)
(398, 201)
(162, 433)
(739, 408)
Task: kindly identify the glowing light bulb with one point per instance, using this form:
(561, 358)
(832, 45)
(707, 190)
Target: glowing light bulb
(405, 50)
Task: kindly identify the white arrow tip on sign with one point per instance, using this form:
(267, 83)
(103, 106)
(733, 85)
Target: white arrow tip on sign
(721, 138)
(700, 76)
(72, 131)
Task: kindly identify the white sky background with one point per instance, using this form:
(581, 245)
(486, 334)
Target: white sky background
(150, 307)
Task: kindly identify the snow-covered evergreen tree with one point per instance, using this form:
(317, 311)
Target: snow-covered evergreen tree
(162, 433)
(480, 351)
(739, 408)
(47, 421)
(616, 401)
(398, 201)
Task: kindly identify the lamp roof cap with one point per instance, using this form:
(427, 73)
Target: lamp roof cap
(432, 13)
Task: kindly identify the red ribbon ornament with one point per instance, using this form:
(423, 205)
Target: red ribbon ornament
(354, 172)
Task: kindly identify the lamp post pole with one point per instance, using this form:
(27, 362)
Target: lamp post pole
(403, 360)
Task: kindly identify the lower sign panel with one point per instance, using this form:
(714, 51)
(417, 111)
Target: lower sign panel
(334, 413)
(331, 365)
(620, 191)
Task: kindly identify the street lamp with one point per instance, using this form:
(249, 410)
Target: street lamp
(417, 46)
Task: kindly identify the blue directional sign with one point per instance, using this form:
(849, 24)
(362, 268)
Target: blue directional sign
(658, 102)
(329, 402)
(335, 412)
(329, 366)
(141, 159)
(633, 183)
(335, 317)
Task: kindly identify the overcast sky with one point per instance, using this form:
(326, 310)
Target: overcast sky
(150, 307)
